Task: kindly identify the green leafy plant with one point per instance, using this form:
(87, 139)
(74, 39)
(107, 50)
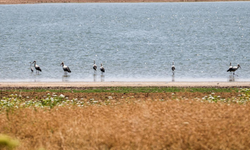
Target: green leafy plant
(6, 142)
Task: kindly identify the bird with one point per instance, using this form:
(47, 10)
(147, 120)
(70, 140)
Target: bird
(65, 68)
(94, 66)
(31, 67)
(233, 69)
(102, 69)
(37, 67)
(173, 67)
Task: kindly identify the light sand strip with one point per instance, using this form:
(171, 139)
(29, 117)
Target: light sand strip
(4, 85)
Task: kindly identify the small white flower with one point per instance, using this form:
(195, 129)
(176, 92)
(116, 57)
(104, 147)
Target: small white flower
(62, 96)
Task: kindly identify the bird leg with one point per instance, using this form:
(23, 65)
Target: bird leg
(235, 74)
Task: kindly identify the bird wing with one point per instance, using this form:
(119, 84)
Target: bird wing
(94, 67)
(39, 69)
(102, 69)
(68, 70)
(173, 68)
(231, 69)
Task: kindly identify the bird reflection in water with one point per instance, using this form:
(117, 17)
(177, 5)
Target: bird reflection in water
(173, 80)
(102, 78)
(231, 78)
(65, 78)
(94, 77)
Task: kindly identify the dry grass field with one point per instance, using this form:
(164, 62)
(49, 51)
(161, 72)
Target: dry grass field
(136, 120)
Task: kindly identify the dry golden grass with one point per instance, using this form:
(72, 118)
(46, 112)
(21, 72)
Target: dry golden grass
(132, 124)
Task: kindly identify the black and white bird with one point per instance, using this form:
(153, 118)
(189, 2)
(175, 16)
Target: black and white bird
(31, 67)
(37, 67)
(173, 67)
(233, 69)
(102, 69)
(65, 68)
(94, 66)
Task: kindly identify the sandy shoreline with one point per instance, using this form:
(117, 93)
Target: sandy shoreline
(11, 85)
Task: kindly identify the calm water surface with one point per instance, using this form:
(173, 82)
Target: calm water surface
(134, 41)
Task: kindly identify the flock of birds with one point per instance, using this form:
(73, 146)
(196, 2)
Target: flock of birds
(66, 68)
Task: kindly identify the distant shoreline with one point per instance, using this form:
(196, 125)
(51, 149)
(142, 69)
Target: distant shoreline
(103, 1)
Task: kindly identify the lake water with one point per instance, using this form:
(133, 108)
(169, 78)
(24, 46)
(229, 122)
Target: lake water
(134, 41)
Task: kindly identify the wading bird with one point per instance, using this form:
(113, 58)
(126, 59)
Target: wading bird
(102, 69)
(37, 67)
(31, 67)
(94, 66)
(173, 67)
(65, 68)
(233, 69)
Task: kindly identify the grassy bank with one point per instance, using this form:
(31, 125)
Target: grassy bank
(127, 118)
(125, 90)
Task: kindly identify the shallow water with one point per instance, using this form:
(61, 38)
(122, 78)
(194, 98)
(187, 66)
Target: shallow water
(134, 41)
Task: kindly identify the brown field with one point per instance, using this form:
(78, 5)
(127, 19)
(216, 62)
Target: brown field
(131, 121)
(98, 1)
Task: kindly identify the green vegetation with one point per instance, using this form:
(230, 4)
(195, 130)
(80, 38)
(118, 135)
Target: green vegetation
(7, 142)
(15, 101)
(243, 98)
(130, 90)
